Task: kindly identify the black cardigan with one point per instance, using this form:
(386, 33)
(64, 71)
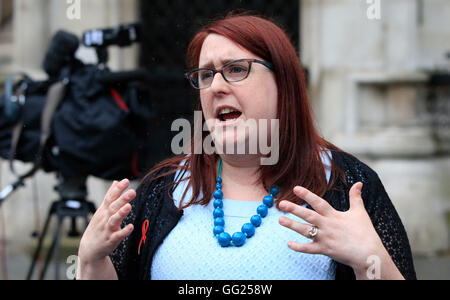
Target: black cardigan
(153, 203)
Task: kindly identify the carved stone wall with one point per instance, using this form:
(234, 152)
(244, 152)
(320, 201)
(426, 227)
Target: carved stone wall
(370, 76)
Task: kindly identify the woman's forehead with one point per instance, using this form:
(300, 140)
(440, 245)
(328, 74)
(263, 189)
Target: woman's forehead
(217, 50)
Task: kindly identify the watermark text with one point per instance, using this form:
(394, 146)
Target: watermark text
(250, 137)
(374, 9)
(73, 11)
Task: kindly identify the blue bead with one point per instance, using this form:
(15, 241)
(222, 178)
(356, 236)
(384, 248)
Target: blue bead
(218, 213)
(218, 230)
(238, 239)
(224, 239)
(274, 191)
(268, 201)
(256, 220)
(218, 186)
(218, 203)
(262, 211)
(248, 229)
(219, 222)
(218, 194)
(219, 180)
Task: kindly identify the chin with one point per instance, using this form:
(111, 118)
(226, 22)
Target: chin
(231, 144)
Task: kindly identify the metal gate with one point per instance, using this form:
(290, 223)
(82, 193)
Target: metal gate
(168, 26)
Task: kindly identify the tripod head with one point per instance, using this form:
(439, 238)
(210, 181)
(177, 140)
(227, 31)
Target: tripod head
(72, 189)
(73, 193)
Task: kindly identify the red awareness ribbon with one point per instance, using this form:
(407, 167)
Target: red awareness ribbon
(144, 238)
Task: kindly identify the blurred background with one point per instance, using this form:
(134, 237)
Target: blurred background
(379, 82)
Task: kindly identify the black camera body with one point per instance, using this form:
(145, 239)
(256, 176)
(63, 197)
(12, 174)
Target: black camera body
(98, 125)
(100, 39)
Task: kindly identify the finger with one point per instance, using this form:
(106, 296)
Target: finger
(310, 248)
(115, 191)
(320, 205)
(124, 199)
(116, 219)
(298, 227)
(356, 200)
(113, 185)
(118, 236)
(303, 213)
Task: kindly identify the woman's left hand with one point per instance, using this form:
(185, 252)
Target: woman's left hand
(347, 237)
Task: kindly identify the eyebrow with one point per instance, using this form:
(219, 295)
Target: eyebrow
(223, 62)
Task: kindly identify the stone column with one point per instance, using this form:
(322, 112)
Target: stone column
(31, 33)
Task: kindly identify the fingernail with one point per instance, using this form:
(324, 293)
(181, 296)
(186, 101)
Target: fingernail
(298, 189)
(130, 195)
(359, 188)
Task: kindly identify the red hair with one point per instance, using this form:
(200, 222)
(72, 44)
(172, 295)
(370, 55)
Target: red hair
(301, 147)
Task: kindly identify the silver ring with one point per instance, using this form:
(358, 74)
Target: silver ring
(313, 232)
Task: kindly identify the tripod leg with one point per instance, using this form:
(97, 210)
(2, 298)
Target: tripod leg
(52, 249)
(58, 247)
(40, 242)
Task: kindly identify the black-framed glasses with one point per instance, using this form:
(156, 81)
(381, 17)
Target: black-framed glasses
(233, 71)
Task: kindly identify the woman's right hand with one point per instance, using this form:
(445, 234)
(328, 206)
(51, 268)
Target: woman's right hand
(104, 234)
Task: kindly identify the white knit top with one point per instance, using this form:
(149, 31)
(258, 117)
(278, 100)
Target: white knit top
(191, 252)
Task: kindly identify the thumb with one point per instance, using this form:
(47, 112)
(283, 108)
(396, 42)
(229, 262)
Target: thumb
(356, 200)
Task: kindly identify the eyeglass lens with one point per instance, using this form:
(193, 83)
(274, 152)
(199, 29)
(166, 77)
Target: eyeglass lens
(236, 71)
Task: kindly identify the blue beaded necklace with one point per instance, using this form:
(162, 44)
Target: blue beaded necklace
(248, 229)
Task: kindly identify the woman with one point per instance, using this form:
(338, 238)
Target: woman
(324, 214)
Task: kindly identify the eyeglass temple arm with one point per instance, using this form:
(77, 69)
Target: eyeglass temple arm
(265, 63)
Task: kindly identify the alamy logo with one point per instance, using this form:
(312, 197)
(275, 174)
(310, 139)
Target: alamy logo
(71, 272)
(374, 271)
(73, 11)
(249, 137)
(374, 9)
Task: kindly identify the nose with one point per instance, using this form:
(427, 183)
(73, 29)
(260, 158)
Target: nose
(219, 84)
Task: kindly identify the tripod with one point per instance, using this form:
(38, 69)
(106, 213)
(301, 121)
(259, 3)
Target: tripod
(72, 204)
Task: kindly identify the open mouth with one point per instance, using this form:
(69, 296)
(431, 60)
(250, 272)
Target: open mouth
(228, 114)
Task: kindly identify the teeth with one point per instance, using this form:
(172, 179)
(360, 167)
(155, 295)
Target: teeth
(227, 111)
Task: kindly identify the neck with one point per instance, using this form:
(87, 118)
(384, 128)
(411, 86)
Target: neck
(240, 178)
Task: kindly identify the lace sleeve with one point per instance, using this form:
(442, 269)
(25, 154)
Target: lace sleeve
(389, 227)
(382, 213)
